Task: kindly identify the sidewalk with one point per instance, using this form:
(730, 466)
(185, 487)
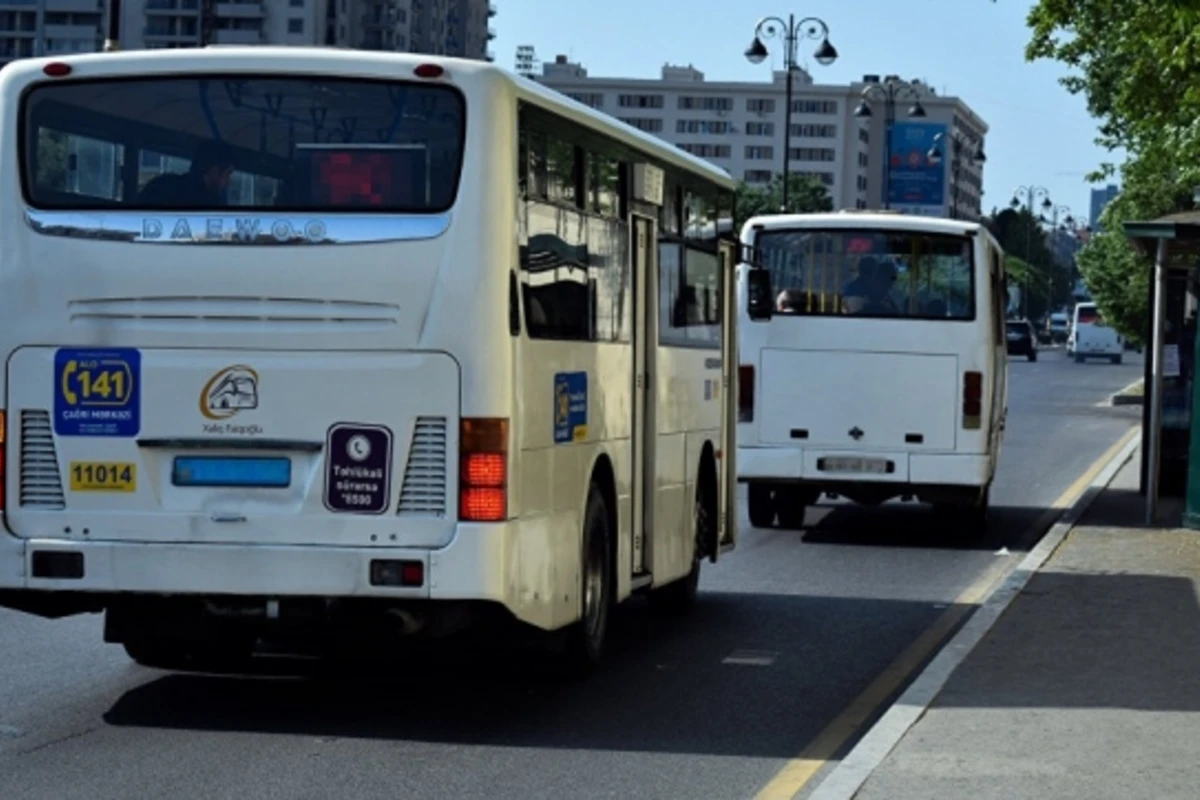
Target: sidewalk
(1088, 686)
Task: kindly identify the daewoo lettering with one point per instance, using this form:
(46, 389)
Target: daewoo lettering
(245, 230)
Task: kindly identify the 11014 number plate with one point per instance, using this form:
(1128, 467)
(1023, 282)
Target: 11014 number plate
(870, 466)
(103, 476)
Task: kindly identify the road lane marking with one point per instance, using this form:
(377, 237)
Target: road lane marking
(751, 658)
(799, 771)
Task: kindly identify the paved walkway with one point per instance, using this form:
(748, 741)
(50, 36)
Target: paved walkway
(1088, 686)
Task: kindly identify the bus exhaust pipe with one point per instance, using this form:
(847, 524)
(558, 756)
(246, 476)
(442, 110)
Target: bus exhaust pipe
(410, 623)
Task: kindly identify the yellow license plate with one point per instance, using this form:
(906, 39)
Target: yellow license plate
(103, 476)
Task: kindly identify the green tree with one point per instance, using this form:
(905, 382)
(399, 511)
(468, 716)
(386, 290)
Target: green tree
(806, 194)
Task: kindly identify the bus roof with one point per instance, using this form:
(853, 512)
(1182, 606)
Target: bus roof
(872, 219)
(348, 63)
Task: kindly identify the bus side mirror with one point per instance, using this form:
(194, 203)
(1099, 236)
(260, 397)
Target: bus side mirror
(759, 304)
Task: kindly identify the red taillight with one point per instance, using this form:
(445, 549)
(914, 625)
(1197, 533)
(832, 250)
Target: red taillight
(483, 470)
(429, 71)
(57, 69)
(745, 393)
(972, 401)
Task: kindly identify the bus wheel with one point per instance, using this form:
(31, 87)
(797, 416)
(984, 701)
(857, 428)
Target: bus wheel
(761, 505)
(970, 520)
(679, 596)
(792, 507)
(586, 638)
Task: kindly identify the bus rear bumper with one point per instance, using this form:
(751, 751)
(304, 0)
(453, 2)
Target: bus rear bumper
(477, 565)
(796, 465)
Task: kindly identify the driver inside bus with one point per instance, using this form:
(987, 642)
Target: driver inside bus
(202, 186)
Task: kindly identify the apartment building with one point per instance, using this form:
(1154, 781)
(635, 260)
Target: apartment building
(739, 127)
(441, 27)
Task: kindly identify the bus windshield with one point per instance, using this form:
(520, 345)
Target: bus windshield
(869, 273)
(243, 142)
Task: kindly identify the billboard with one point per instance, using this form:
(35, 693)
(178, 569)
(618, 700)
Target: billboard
(916, 184)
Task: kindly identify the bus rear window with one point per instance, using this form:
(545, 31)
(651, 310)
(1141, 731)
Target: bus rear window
(1088, 316)
(243, 142)
(869, 273)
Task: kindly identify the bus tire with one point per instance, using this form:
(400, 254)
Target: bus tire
(679, 596)
(970, 520)
(760, 505)
(586, 638)
(1033, 355)
(792, 507)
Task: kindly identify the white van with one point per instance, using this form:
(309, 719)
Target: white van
(872, 362)
(1092, 337)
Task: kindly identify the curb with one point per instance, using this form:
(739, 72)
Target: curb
(848, 777)
(1121, 398)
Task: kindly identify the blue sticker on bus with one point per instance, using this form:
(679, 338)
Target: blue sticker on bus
(570, 407)
(97, 392)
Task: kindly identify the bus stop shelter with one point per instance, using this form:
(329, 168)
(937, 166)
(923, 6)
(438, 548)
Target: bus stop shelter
(1173, 242)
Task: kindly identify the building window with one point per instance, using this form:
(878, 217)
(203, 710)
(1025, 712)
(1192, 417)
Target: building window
(296, 3)
(760, 105)
(810, 131)
(760, 128)
(706, 103)
(862, 183)
(706, 150)
(756, 152)
(864, 135)
(647, 124)
(824, 177)
(814, 107)
(813, 154)
(640, 101)
(863, 160)
(295, 26)
(593, 99)
(758, 176)
(717, 127)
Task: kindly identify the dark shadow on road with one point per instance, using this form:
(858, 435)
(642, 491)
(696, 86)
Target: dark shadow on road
(665, 687)
(914, 525)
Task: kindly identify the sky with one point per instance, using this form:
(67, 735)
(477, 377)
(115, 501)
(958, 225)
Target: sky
(1040, 135)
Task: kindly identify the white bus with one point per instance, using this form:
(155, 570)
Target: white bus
(873, 363)
(406, 340)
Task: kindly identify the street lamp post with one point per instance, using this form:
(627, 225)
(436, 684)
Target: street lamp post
(889, 92)
(1067, 223)
(1031, 194)
(791, 31)
(958, 144)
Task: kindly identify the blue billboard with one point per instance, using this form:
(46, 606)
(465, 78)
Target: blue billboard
(916, 183)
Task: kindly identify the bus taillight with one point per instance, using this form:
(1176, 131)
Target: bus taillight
(745, 393)
(483, 470)
(972, 403)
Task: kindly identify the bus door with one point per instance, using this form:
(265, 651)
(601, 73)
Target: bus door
(645, 346)
(726, 464)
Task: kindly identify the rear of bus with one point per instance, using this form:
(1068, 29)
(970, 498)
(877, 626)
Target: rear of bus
(879, 372)
(246, 394)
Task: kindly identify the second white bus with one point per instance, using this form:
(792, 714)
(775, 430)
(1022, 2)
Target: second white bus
(873, 363)
(404, 340)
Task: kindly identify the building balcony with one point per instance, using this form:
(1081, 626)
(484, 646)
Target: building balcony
(491, 33)
(238, 37)
(71, 6)
(253, 10)
(72, 32)
(491, 9)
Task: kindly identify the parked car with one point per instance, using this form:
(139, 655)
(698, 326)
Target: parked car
(1022, 341)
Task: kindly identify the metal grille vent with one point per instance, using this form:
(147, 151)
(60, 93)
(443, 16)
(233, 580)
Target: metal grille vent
(41, 483)
(424, 488)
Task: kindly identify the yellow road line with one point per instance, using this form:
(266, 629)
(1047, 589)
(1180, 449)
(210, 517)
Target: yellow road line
(796, 774)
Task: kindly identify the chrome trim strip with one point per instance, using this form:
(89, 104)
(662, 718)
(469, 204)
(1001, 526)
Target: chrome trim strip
(237, 229)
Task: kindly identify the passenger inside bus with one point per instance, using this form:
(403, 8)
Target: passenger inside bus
(870, 291)
(203, 185)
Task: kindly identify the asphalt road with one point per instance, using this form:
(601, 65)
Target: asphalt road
(790, 628)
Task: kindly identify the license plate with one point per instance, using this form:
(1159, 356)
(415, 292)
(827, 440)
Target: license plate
(874, 466)
(103, 476)
(243, 472)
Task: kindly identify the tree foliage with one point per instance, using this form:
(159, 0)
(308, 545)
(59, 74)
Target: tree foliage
(806, 194)
(1138, 67)
(1029, 261)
